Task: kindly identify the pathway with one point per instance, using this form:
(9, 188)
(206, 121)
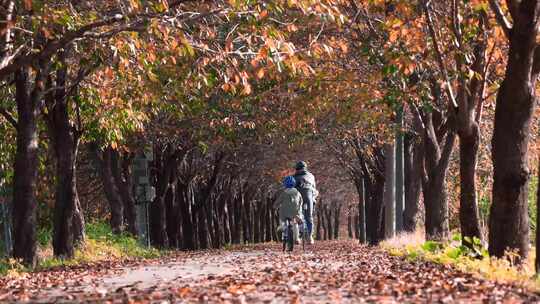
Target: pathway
(329, 272)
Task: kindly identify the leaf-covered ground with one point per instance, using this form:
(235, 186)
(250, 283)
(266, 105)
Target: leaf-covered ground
(339, 271)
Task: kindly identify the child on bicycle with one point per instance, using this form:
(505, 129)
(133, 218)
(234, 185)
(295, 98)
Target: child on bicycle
(290, 204)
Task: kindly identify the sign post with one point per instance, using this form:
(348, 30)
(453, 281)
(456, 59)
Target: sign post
(144, 193)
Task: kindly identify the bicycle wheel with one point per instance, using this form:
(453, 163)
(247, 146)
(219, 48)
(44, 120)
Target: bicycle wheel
(290, 238)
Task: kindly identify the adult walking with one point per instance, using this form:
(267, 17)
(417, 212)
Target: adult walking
(306, 185)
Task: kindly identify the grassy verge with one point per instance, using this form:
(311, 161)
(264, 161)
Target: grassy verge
(101, 244)
(414, 247)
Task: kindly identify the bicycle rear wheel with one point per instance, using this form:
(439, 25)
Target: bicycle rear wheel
(290, 238)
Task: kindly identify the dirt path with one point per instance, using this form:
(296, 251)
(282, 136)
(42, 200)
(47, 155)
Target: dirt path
(329, 272)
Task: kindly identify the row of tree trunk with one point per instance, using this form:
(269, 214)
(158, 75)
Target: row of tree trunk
(200, 202)
(328, 217)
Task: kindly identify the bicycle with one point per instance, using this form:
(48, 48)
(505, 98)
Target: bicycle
(288, 234)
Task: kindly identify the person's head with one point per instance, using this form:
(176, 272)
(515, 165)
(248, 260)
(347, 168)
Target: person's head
(301, 165)
(289, 182)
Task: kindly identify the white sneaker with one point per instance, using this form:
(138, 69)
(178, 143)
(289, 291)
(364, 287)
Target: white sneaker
(310, 239)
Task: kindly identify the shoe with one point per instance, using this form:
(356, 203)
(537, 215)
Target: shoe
(297, 242)
(310, 240)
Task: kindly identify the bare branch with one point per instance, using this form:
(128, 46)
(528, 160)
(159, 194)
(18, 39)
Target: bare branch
(439, 55)
(456, 28)
(501, 18)
(8, 117)
(447, 150)
(11, 65)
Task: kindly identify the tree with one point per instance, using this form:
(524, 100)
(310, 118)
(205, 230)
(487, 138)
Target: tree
(28, 55)
(467, 105)
(516, 98)
(462, 65)
(68, 228)
(438, 141)
(28, 96)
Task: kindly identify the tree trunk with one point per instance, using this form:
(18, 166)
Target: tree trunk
(337, 213)
(66, 207)
(66, 194)
(438, 147)
(209, 210)
(468, 210)
(318, 233)
(251, 213)
(537, 243)
(268, 222)
(244, 217)
(25, 170)
(124, 184)
(413, 183)
(203, 228)
(373, 168)
(109, 187)
(399, 173)
(228, 231)
(328, 216)
(356, 227)
(359, 182)
(258, 221)
(184, 196)
(165, 162)
(274, 223)
(375, 213)
(323, 221)
(389, 196)
(171, 205)
(68, 219)
(79, 224)
(436, 205)
(237, 210)
(350, 225)
(509, 221)
(470, 98)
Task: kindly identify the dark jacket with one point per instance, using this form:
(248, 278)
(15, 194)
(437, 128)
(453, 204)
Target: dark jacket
(306, 185)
